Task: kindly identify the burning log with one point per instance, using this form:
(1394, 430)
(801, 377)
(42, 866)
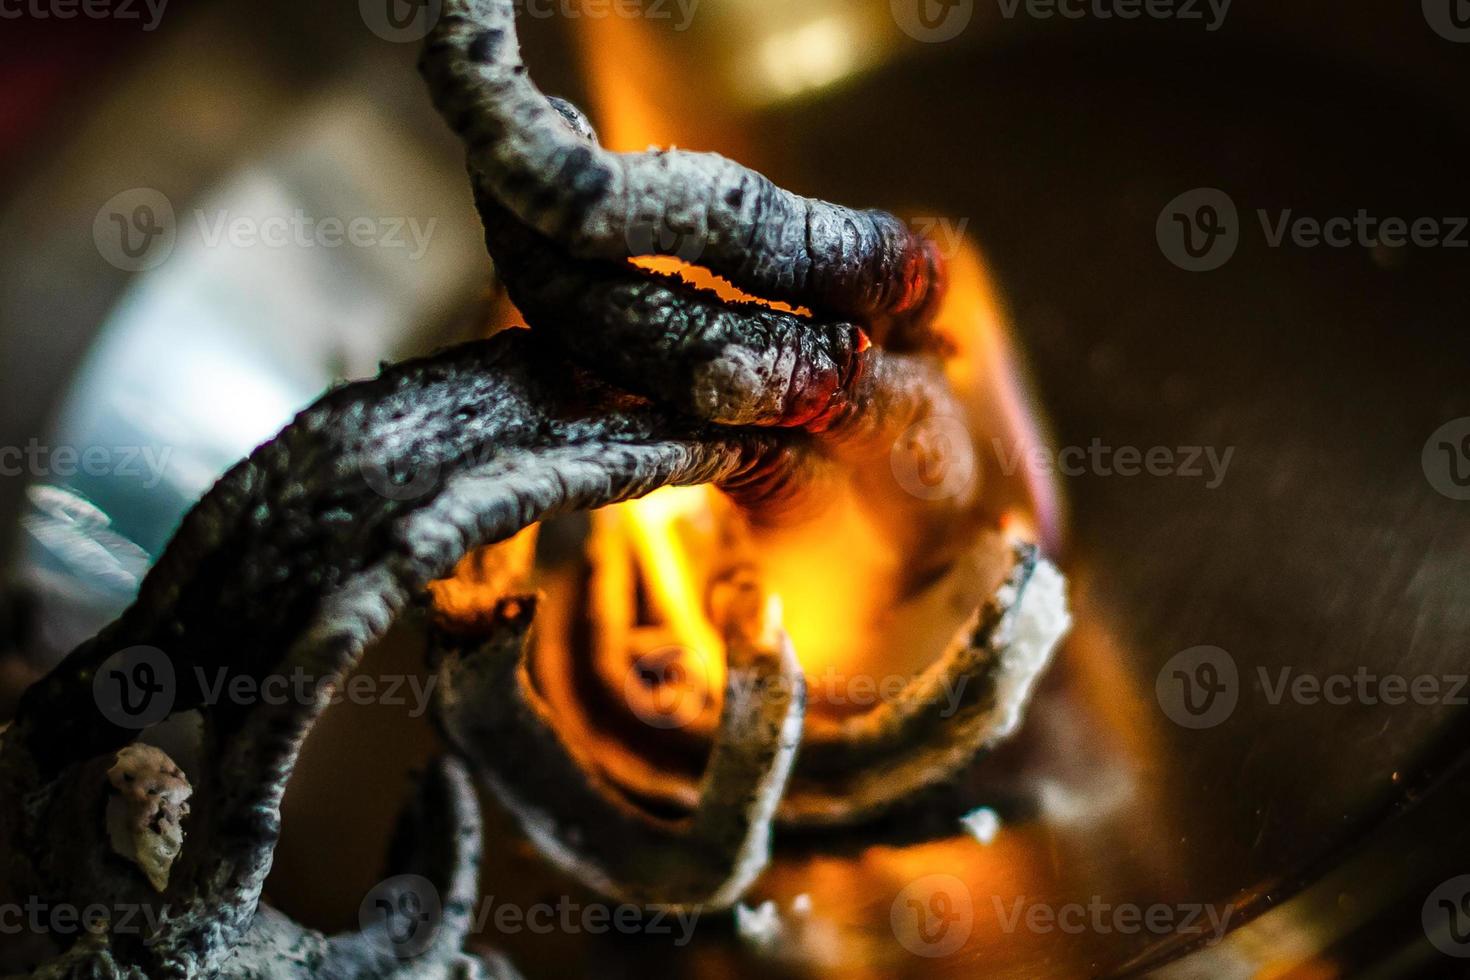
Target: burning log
(307, 551)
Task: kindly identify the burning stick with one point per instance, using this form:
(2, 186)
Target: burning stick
(603, 205)
(262, 580)
(967, 701)
(306, 552)
(735, 363)
(495, 718)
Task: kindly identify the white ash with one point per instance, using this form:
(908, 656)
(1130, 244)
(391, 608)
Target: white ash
(145, 813)
(983, 824)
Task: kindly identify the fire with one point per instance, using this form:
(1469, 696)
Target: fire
(659, 527)
(643, 601)
(834, 573)
(643, 628)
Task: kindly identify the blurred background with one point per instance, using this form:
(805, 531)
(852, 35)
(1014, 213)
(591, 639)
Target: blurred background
(170, 296)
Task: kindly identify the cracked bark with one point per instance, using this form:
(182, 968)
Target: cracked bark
(306, 551)
(602, 205)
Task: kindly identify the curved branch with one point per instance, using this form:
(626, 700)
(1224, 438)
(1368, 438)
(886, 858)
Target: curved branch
(603, 205)
(308, 551)
(490, 711)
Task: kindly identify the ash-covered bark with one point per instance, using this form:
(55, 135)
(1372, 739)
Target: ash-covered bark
(966, 702)
(601, 205)
(306, 552)
(298, 558)
(434, 867)
(490, 711)
(731, 363)
(734, 363)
